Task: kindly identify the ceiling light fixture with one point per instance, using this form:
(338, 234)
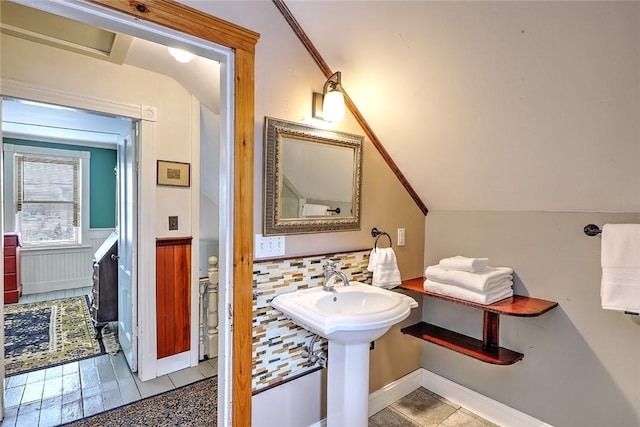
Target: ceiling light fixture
(181, 55)
(329, 105)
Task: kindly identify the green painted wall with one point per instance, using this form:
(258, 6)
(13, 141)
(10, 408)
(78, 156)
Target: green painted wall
(102, 187)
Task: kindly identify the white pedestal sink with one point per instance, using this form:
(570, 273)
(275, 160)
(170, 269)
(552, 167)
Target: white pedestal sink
(350, 318)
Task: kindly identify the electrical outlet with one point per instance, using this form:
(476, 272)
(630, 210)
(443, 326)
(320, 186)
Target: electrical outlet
(400, 236)
(173, 223)
(269, 247)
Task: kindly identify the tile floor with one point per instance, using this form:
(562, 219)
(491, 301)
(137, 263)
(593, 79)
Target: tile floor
(69, 392)
(423, 408)
(75, 390)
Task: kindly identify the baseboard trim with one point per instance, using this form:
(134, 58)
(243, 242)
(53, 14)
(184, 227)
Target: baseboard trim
(60, 285)
(173, 363)
(380, 399)
(477, 403)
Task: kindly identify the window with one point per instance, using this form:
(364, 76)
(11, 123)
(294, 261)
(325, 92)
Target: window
(48, 199)
(47, 195)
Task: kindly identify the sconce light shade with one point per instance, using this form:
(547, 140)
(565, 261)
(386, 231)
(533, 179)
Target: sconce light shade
(333, 106)
(181, 55)
(329, 105)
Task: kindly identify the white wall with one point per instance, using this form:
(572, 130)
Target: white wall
(209, 171)
(580, 365)
(23, 61)
(294, 408)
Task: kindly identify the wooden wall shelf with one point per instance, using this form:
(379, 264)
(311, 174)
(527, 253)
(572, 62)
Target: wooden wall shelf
(488, 349)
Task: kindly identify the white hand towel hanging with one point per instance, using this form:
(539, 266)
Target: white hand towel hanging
(620, 260)
(383, 264)
(310, 209)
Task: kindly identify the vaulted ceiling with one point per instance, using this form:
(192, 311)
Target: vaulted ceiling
(484, 105)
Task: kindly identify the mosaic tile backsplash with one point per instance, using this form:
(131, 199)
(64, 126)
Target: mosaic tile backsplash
(278, 343)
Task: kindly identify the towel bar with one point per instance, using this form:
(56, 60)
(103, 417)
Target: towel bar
(377, 234)
(592, 230)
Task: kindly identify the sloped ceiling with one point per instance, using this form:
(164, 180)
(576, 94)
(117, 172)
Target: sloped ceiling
(64, 33)
(486, 105)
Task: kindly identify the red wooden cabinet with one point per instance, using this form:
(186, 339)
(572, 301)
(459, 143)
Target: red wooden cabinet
(12, 283)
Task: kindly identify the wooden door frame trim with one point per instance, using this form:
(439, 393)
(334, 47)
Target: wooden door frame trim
(326, 70)
(176, 16)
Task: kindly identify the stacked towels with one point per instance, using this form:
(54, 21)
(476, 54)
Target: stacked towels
(383, 264)
(470, 279)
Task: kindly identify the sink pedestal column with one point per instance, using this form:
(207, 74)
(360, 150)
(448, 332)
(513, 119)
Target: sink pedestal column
(348, 385)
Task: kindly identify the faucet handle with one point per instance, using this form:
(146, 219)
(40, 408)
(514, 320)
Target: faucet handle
(331, 264)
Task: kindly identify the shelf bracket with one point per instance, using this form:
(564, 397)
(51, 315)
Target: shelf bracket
(490, 331)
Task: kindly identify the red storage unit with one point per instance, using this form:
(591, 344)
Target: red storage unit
(12, 283)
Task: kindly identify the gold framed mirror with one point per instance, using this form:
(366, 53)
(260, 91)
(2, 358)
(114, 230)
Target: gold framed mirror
(312, 179)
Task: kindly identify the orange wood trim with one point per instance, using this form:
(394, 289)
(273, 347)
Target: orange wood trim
(172, 241)
(177, 16)
(324, 67)
(243, 239)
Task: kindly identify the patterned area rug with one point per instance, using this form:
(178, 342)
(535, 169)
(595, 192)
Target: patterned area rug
(193, 405)
(43, 334)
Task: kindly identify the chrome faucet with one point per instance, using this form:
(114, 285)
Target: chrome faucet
(330, 274)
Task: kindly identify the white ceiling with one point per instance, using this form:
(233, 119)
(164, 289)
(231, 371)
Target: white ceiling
(200, 76)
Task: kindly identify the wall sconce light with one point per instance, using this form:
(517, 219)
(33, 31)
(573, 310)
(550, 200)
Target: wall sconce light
(181, 55)
(329, 105)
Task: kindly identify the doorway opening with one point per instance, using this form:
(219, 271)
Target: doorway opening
(149, 220)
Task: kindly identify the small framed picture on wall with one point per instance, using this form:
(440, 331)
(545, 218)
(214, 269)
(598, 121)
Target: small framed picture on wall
(174, 174)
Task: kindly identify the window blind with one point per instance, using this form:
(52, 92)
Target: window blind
(48, 198)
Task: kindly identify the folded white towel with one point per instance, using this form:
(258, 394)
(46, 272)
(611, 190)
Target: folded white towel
(461, 263)
(478, 282)
(383, 264)
(466, 294)
(310, 209)
(620, 260)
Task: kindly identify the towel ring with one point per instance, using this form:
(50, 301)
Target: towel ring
(377, 234)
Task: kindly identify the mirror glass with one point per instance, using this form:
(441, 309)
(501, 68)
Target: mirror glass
(312, 179)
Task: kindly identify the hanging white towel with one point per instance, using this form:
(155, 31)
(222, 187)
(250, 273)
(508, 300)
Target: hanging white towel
(468, 295)
(478, 282)
(383, 264)
(620, 260)
(310, 209)
(461, 263)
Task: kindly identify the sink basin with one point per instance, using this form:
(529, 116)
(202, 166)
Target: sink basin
(350, 318)
(354, 313)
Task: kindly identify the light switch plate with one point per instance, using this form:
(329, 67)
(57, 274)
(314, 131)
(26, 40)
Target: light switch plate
(401, 236)
(269, 247)
(173, 223)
